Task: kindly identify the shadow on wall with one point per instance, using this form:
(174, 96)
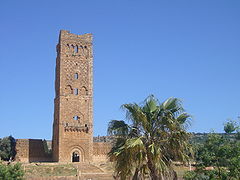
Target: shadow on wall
(39, 151)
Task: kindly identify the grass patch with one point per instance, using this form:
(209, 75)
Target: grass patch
(50, 170)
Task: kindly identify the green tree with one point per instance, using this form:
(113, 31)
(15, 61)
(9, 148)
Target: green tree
(214, 152)
(11, 172)
(155, 137)
(7, 148)
(230, 127)
(219, 152)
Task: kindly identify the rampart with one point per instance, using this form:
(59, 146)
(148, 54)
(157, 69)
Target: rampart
(100, 151)
(32, 150)
(38, 150)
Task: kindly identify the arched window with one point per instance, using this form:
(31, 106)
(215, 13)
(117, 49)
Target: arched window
(75, 157)
(76, 49)
(76, 76)
(76, 91)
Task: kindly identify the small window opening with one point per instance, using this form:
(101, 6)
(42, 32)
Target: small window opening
(85, 125)
(75, 118)
(76, 91)
(75, 157)
(76, 49)
(76, 76)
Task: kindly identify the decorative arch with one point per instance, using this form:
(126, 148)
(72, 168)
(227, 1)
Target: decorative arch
(68, 90)
(84, 91)
(77, 154)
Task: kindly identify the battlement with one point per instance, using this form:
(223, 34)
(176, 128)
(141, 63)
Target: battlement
(67, 36)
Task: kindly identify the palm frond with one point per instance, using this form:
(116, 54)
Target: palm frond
(172, 104)
(154, 138)
(150, 104)
(135, 114)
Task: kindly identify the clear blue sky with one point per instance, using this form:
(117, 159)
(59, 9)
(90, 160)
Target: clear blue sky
(181, 48)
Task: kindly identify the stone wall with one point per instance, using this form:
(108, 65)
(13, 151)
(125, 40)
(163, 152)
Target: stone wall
(100, 151)
(22, 150)
(109, 139)
(32, 150)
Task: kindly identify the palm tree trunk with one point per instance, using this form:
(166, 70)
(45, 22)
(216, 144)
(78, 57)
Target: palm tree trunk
(135, 176)
(153, 172)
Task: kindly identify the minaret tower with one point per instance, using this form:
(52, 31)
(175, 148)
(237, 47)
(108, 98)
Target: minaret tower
(73, 106)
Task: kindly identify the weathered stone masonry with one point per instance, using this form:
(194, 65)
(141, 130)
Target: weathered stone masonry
(32, 150)
(73, 121)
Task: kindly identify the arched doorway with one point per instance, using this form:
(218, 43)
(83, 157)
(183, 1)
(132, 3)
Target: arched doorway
(75, 156)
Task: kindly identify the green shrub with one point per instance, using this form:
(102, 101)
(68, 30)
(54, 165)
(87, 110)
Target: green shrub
(11, 172)
(205, 175)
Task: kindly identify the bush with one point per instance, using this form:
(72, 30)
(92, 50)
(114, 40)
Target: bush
(219, 152)
(189, 175)
(205, 175)
(192, 175)
(11, 172)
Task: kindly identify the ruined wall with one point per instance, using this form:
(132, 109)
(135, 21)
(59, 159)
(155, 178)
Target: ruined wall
(32, 150)
(100, 151)
(22, 150)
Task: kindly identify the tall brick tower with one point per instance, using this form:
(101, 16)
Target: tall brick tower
(73, 106)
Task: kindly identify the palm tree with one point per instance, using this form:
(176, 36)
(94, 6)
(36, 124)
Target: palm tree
(154, 138)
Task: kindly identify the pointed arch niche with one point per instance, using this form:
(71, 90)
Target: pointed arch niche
(84, 91)
(68, 90)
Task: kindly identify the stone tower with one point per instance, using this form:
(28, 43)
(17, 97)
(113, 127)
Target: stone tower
(73, 106)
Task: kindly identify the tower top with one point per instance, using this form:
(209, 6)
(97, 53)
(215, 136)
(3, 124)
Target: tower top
(66, 36)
